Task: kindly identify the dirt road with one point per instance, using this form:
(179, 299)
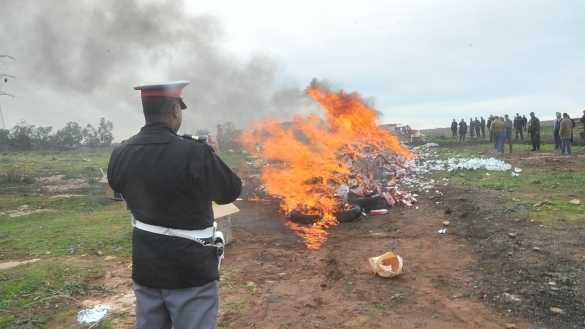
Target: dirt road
(271, 281)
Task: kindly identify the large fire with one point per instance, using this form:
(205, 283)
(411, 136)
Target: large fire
(308, 159)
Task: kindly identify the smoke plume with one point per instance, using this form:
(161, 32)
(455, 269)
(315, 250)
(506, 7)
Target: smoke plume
(77, 60)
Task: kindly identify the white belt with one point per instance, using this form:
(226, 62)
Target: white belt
(196, 235)
(210, 233)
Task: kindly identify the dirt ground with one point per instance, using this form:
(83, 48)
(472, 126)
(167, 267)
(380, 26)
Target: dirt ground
(271, 281)
(495, 268)
(276, 283)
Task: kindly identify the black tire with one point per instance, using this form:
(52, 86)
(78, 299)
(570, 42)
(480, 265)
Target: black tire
(300, 218)
(349, 215)
(368, 203)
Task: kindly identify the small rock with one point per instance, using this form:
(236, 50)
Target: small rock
(537, 249)
(552, 283)
(446, 223)
(510, 326)
(108, 258)
(557, 310)
(575, 202)
(510, 254)
(250, 284)
(541, 203)
(100, 253)
(512, 298)
(512, 234)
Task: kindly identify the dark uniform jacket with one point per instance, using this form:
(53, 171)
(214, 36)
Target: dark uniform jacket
(534, 127)
(462, 128)
(170, 181)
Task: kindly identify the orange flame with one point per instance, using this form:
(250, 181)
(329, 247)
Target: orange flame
(309, 158)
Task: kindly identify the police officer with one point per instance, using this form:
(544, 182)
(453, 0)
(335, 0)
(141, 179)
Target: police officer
(169, 183)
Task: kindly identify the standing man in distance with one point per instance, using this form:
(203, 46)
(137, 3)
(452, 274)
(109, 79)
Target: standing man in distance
(499, 132)
(556, 131)
(454, 128)
(566, 134)
(509, 126)
(519, 126)
(482, 123)
(477, 125)
(462, 130)
(534, 131)
(169, 183)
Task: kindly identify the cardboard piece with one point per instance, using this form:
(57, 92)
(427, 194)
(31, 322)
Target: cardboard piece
(223, 210)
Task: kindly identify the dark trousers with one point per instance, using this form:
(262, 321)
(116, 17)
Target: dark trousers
(519, 132)
(566, 145)
(454, 132)
(535, 138)
(462, 137)
(558, 141)
(189, 308)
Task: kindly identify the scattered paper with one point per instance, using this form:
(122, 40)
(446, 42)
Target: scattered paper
(93, 315)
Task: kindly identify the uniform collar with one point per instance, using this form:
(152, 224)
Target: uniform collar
(155, 133)
(156, 126)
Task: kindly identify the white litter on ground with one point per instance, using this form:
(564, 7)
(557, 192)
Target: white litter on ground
(427, 162)
(451, 164)
(93, 315)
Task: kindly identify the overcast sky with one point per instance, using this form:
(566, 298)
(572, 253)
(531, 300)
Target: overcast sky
(423, 62)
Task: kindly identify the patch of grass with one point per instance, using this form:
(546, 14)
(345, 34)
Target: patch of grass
(76, 226)
(487, 150)
(74, 163)
(554, 189)
(31, 294)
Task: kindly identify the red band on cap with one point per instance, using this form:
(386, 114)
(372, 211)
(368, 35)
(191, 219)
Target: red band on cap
(163, 93)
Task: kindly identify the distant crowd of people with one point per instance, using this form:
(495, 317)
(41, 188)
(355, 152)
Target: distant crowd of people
(500, 130)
